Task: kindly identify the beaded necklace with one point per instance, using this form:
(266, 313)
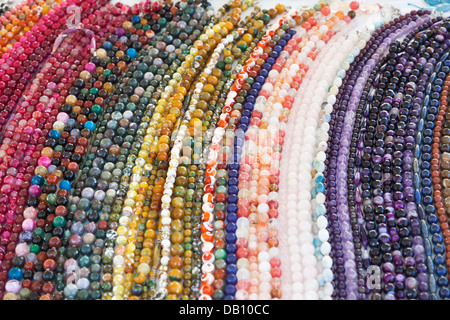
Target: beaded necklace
(232, 173)
(129, 202)
(141, 151)
(75, 126)
(197, 170)
(340, 262)
(341, 185)
(178, 203)
(156, 86)
(35, 189)
(19, 64)
(431, 231)
(354, 188)
(175, 274)
(354, 181)
(270, 156)
(224, 280)
(110, 154)
(15, 274)
(114, 136)
(440, 159)
(316, 167)
(161, 156)
(386, 247)
(243, 102)
(225, 120)
(19, 20)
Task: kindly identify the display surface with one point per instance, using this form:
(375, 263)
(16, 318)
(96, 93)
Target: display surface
(224, 150)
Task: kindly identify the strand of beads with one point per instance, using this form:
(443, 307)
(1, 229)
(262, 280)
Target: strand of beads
(354, 186)
(273, 50)
(321, 235)
(305, 17)
(249, 120)
(417, 269)
(341, 278)
(284, 95)
(310, 171)
(341, 183)
(155, 195)
(24, 59)
(226, 118)
(116, 132)
(224, 249)
(358, 142)
(209, 277)
(138, 166)
(251, 169)
(139, 269)
(417, 288)
(145, 264)
(225, 260)
(389, 242)
(441, 158)
(168, 180)
(50, 77)
(98, 91)
(290, 286)
(22, 156)
(178, 202)
(192, 125)
(149, 167)
(159, 135)
(197, 171)
(111, 140)
(80, 113)
(174, 45)
(19, 20)
(189, 275)
(176, 261)
(34, 159)
(431, 231)
(221, 258)
(154, 90)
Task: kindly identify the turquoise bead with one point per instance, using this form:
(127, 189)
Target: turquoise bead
(319, 178)
(320, 187)
(89, 125)
(131, 53)
(65, 185)
(37, 180)
(54, 134)
(15, 274)
(135, 19)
